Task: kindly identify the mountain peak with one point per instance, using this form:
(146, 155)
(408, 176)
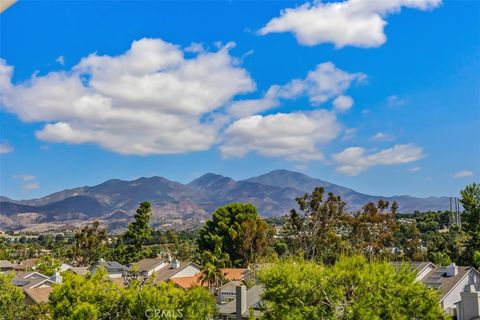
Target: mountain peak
(208, 178)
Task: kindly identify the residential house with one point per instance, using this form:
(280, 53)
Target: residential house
(36, 286)
(183, 274)
(235, 274)
(113, 268)
(228, 291)
(6, 266)
(468, 308)
(451, 281)
(421, 268)
(246, 303)
(149, 266)
(28, 264)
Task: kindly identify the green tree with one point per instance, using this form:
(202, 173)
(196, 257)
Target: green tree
(198, 303)
(47, 265)
(11, 297)
(238, 231)
(316, 229)
(130, 245)
(80, 297)
(90, 244)
(470, 199)
(212, 264)
(351, 289)
(476, 259)
(373, 229)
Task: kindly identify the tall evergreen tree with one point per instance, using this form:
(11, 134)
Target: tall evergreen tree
(130, 245)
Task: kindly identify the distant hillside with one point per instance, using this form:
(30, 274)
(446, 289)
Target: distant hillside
(177, 205)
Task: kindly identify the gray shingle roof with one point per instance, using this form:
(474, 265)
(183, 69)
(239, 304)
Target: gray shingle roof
(253, 301)
(437, 279)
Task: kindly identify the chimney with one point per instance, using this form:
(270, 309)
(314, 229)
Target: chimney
(175, 264)
(452, 270)
(57, 278)
(241, 299)
(470, 303)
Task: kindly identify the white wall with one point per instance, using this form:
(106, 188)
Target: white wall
(473, 277)
(189, 271)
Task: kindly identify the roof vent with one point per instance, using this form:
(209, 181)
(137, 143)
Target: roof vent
(452, 270)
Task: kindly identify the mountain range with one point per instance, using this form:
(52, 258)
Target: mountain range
(177, 205)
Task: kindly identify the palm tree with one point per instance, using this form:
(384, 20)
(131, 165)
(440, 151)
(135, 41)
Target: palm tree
(212, 265)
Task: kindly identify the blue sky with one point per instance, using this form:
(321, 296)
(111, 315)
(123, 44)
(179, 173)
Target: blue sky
(383, 110)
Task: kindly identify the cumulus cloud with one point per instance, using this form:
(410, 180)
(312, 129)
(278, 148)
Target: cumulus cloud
(295, 136)
(463, 174)
(354, 160)
(381, 136)
(358, 23)
(324, 83)
(343, 103)
(5, 148)
(149, 100)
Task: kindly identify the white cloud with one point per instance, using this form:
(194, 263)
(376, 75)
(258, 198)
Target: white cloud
(5, 148)
(149, 100)
(320, 85)
(358, 23)
(294, 136)
(31, 186)
(463, 174)
(381, 136)
(24, 177)
(354, 160)
(343, 103)
(414, 169)
(60, 60)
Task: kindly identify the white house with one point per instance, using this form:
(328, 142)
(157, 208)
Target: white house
(451, 281)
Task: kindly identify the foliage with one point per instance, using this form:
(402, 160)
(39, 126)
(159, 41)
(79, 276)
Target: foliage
(98, 298)
(11, 297)
(90, 244)
(476, 259)
(130, 247)
(470, 199)
(238, 231)
(352, 288)
(372, 230)
(212, 264)
(84, 298)
(409, 239)
(316, 228)
(47, 265)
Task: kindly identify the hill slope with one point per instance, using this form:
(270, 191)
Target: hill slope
(178, 205)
